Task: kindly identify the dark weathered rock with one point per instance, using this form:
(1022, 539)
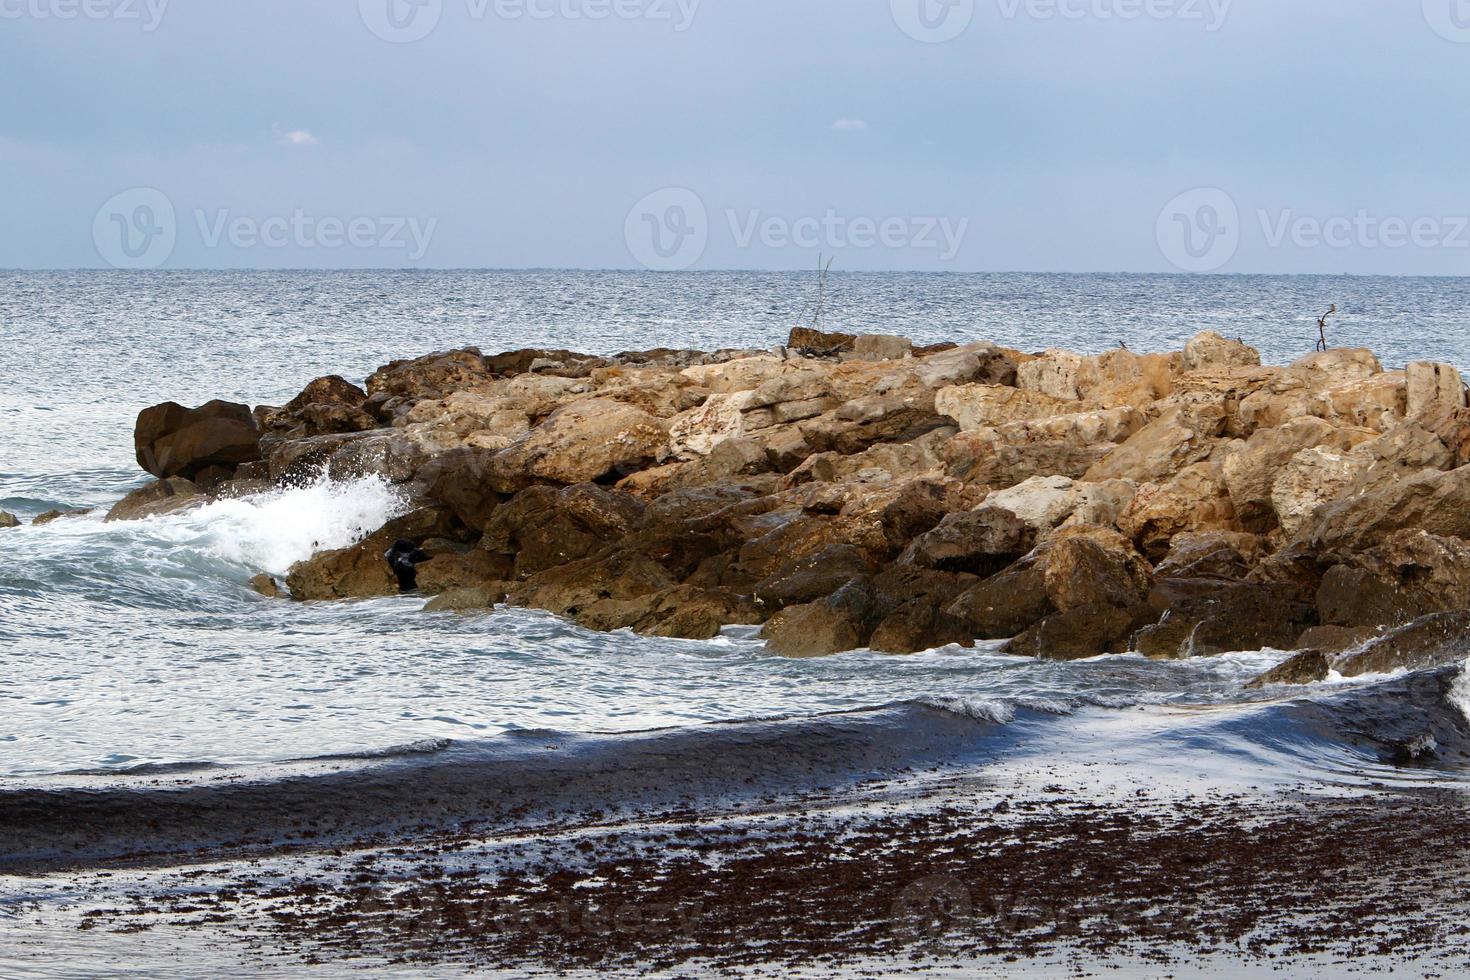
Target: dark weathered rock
(1078, 633)
(543, 527)
(980, 542)
(1307, 667)
(1432, 501)
(682, 612)
(1088, 565)
(8, 520)
(918, 625)
(360, 571)
(1211, 554)
(157, 498)
(432, 376)
(267, 586)
(172, 440)
(478, 598)
(1203, 617)
(812, 576)
(1005, 604)
(843, 621)
(1335, 639)
(817, 343)
(56, 515)
(473, 568)
(327, 405)
(1442, 638)
(569, 589)
(1411, 574)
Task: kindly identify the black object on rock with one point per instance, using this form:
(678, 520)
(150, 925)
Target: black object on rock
(402, 558)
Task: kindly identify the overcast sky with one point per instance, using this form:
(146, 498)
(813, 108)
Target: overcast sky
(1047, 135)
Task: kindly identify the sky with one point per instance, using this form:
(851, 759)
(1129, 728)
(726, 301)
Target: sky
(1210, 136)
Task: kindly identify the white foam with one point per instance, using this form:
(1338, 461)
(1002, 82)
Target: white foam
(272, 531)
(1459, 693)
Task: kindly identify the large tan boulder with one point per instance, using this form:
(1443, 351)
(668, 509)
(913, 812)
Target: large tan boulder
(985, 406)
(1117, 377)
(1431, 387)
(998, 458)
(1311, 478)
(1041, 503)
(1400, 452)
(432, 376)
(325, 405)
(205, 443)
(1209, 351)
(1345, 387)
(978, 542)
(542, 527)
(1195, 499)
(1251, 472)
(1434, 501)
(1090, 565)
(1184, 434)
(580, 443)
(844, 621)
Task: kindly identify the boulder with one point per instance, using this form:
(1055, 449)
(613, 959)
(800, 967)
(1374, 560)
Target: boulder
(157, 498)
(812, 576)
(1401, 452)
(1311, 478)
(818, 343)
(1209, 351)
(1094, 566)
(480, 598)
(584, 442)
(1430, 387)
(1410, 575)
(468, 569)
(1203, 617)
(1211, 554)
(1193, 500)
(1041, 502)
(432, 376)
(1442, 638)
(985, 456)
(1307, 667)
(326, 405)
(8, 520)
(682, 612)
(1183, 435)
(360, 571)
(1007, 603)
(1250, 473)
(56, 515)
(542, 527)
(1078, 633)
(982, 406)
(1335, 639)
(843, 621)
(917, 626)
(881, 347)
(978, 542)
(1433, 501)
(268, 586)
(568, 590)
(209, 441)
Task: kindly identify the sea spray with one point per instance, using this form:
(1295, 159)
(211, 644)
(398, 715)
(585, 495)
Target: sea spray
(274, 530)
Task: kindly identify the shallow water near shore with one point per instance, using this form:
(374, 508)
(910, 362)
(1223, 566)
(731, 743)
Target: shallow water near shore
(137, 665)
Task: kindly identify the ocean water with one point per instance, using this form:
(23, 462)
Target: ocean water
(140, 645)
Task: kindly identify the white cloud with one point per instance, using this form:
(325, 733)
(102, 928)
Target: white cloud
(294, 137)
(850, 126)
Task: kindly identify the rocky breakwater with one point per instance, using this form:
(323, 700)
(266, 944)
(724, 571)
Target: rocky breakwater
(851, 492)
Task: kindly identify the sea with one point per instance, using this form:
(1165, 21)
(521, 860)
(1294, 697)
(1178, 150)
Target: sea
(133, 649)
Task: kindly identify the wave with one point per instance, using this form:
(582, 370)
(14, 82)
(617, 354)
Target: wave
(1407, 730)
